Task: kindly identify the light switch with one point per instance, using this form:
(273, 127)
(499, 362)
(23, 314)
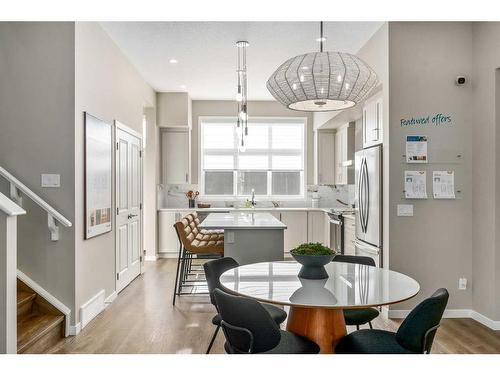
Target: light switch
(51, 180)
(405, 209)
(230, 236)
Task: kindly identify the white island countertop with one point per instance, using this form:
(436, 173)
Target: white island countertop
(241, 220)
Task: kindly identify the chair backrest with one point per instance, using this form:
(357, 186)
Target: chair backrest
(253, 331)
(357, 259)
(213, 270)
(417, 331)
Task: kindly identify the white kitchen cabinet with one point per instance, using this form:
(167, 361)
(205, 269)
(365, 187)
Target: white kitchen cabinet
(316, 227)
(168, 243)
(344, 154)
(325, 157)
(372, 122)
(296, 231)
(175, 149)
(349, 234)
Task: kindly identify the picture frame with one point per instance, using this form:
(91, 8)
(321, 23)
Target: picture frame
(98, 159)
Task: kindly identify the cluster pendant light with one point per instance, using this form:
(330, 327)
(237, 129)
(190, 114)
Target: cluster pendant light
(322, 81)
(241, 94)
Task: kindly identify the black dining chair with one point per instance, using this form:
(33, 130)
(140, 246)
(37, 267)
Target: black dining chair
(213, 271)
(414, 336)
(357, 317)
(249, 329)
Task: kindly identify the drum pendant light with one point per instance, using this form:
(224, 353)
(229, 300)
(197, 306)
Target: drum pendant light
(322, 81)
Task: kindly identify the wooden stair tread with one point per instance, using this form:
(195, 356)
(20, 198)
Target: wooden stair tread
(34, 326)
(24, 297)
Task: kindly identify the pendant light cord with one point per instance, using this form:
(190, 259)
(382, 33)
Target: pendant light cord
(321, 36)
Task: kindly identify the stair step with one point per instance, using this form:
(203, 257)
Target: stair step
(25, 302)
(33, 327)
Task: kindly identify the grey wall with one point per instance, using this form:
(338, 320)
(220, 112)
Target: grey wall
(255, 108)
(37, 103)
(434, 246)
(485, 142)
(108, 87)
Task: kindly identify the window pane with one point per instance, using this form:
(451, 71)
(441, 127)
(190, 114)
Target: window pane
(286, 183)
(287, 136)
(287, 162)
(258, 137)
(252, 180)
(253, 161)
(218, 162)
(219, 183)
(218, 136)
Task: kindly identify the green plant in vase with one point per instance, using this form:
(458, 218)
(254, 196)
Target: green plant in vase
(313, 257)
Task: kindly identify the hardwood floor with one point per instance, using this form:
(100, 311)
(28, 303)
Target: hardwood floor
(143, 320)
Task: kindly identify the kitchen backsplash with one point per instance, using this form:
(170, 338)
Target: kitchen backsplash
(173, 196)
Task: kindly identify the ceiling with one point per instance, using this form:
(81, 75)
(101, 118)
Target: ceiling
(206, 51)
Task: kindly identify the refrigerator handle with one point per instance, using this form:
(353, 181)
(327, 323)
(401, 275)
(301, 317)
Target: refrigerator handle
(360, 196)
(366, 181)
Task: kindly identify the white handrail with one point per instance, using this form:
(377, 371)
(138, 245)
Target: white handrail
(9, 207)
(35, 198)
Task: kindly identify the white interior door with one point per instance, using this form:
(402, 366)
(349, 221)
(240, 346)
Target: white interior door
(128, 206)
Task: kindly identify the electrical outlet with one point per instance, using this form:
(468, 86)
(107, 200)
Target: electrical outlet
(462, 283)
(230, 236)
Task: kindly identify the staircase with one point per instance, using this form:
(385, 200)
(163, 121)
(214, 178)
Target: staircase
(40, 326)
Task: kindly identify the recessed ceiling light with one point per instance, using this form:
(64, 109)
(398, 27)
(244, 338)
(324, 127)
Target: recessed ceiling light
(173, 61)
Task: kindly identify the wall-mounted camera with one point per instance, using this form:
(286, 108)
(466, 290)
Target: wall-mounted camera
(460, 80)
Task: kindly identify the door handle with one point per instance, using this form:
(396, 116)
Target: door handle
(130, 216)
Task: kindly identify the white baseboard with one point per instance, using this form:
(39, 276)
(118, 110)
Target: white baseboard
(74, 330)
(168, 255)
(90, 309)
(484, 320)
(453, 313)
(110, 298)
(48, 297)
(150, 258)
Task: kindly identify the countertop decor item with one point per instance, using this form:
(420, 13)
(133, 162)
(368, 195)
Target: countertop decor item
(322, 81)
(191, 196)
(204, 205)
(313, 257)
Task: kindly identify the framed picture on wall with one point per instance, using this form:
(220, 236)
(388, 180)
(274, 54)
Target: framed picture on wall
(98, 176)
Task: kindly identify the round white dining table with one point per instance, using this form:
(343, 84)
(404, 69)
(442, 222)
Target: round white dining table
(316, 306)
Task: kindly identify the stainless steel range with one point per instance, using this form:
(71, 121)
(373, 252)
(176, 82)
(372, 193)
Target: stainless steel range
(337, 228)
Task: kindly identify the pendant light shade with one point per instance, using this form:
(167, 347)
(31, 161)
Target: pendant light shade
(322, 81)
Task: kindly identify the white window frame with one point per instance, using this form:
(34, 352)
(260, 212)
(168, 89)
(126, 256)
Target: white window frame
(236, 196)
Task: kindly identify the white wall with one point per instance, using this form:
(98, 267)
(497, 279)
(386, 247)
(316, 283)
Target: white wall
(37, 102)
(485, 146)
(108, 87)
(434, 246)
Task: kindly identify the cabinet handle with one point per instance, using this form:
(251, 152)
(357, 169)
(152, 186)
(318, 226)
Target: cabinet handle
(187, 177)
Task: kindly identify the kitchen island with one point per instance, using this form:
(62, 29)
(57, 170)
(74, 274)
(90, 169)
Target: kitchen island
(249, 237)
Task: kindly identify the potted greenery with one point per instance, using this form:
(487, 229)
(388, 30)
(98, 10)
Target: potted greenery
(313, 257)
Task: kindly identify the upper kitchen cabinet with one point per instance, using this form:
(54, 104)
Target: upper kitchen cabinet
(372, 122)
(173, 110)
(175, 155)
(344, 154)
(324, 157)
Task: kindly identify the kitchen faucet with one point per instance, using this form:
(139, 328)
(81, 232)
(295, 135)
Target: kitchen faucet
(253, 202)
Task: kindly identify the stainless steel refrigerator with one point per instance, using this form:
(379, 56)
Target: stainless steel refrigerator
(368, 203)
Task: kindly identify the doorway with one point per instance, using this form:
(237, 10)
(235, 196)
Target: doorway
(128, 199)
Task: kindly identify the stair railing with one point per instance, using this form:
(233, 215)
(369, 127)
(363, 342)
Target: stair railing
(53, 216)
(9, 211)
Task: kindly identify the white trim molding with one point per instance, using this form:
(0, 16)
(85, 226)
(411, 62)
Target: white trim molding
(90, 309)
(74, 330)
(111, 298)
(151, 258)
(49, 298)
(168, 255)
(453, 313)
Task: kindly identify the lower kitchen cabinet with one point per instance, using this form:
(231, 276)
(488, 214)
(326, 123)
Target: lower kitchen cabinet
(316, 227)
(168, 243)
(296, 232)
(349, 234)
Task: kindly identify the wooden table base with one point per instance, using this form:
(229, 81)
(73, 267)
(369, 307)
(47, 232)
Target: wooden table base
(323, 326)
